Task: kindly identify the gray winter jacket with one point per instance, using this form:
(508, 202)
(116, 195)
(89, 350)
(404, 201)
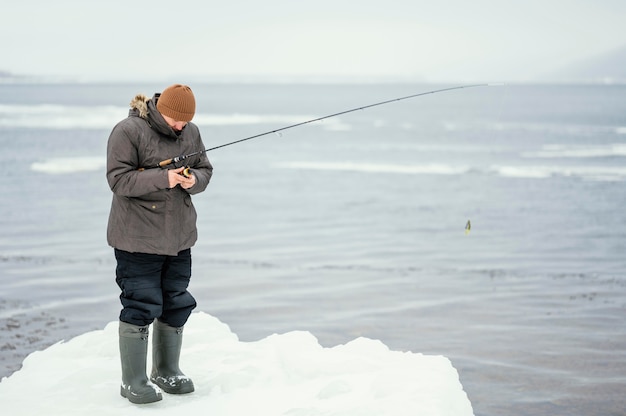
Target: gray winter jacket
(146, 216)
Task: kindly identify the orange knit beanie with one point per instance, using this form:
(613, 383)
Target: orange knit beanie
(177, 101)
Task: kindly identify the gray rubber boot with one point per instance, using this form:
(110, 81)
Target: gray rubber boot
(166, 344)
(133, 352)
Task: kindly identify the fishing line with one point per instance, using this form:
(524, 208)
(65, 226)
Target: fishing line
(346, 112)
(180, 158)
(496, 125)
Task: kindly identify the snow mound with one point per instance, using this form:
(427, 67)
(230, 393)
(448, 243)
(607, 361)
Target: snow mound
(288, 374)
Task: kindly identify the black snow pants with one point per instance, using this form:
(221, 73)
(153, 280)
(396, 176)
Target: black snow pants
(154, 287)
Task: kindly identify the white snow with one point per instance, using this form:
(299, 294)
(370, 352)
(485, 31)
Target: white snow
(289, 374)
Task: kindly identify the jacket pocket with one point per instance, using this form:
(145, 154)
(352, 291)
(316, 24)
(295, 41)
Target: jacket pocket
(145, 218)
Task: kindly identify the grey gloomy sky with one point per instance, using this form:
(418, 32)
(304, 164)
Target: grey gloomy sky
(455, 40)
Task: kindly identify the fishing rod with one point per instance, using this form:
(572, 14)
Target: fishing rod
(180, 158)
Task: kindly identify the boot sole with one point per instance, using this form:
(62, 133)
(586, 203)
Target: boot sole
(184, 389)
(145, 399)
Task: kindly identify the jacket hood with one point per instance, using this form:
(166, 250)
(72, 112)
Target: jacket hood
(145, 108)
(140, 103)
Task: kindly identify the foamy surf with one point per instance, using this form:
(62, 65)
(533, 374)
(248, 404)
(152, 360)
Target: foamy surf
(594, 173)
(69, 165)
(435, 169)
(579, 151)
(605, 173)
(49, 116)
(278, 120)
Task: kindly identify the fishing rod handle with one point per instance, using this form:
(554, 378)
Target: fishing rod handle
(177, 159)
(185, 172)
(166, 162)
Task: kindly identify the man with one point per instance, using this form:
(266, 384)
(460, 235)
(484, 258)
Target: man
(152, 226)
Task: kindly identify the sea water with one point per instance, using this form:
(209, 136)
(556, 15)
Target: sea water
(354, 226)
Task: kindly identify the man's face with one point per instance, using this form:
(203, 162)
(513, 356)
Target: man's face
(176, 125)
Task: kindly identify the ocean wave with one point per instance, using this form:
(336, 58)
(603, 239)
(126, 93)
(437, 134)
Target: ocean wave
(69, 165)
(596, 173)
(436, 169)
(569, 129)
(578, 151)
(522, 172)
(49, 116)
(279, 120)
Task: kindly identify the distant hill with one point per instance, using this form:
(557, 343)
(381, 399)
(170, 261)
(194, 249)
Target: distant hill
(607, 68)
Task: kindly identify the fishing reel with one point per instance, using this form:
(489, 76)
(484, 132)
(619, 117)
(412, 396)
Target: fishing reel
(186, 172)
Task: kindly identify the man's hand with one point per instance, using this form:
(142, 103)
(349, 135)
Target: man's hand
(175, 177)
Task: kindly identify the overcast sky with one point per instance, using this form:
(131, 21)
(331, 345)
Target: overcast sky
(456, 40)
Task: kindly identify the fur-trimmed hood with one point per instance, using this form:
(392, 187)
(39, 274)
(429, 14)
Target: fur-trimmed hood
(140, 103)
(145, 108)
